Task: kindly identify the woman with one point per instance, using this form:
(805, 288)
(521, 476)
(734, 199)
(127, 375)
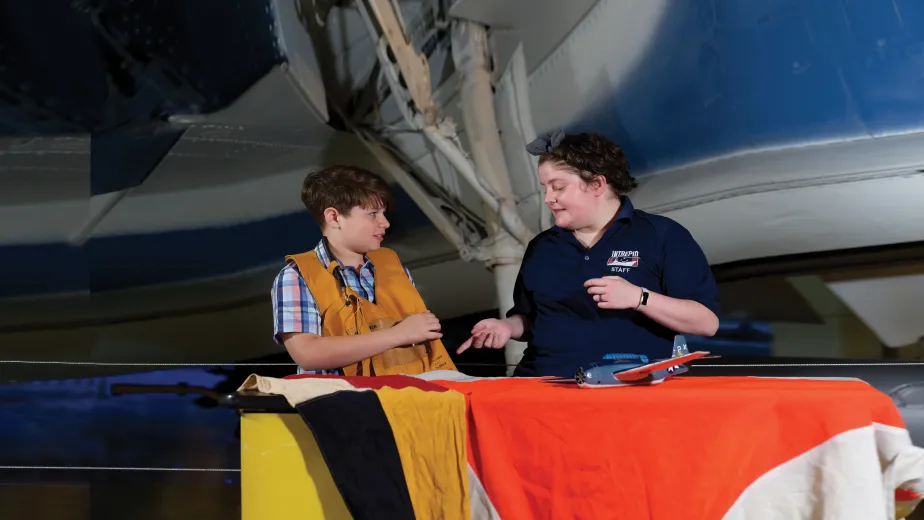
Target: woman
(606, 277)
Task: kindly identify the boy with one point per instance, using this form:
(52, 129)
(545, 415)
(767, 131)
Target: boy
(349, 307)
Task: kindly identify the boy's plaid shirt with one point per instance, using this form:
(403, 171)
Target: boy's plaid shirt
(295, 309)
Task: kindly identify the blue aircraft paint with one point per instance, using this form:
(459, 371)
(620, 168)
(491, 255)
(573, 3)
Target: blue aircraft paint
(131, 62)
(42, 269)
(108, 263)
(719, 76)
(723, 76)
(124, 157)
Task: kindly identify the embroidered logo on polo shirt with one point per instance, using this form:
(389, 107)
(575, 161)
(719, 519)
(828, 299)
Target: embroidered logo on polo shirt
(620, 261)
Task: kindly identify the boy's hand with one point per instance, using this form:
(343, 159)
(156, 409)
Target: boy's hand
(489, 333)
(417, 328)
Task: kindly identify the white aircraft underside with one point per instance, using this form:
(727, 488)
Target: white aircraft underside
(760, 145)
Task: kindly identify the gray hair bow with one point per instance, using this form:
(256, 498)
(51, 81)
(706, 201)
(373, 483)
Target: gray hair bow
(546, 142)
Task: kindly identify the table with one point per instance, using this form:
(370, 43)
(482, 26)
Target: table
(691, 448)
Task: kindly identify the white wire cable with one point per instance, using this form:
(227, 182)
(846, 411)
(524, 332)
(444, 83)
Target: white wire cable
(772, 365)
(115, 468)
(106, 363)
(753, 365)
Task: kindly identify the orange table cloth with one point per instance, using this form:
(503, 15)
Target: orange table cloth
(691, 448)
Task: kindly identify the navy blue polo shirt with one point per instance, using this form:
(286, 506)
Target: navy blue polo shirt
(567, 329)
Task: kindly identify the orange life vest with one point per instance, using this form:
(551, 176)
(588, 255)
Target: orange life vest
(344, 312)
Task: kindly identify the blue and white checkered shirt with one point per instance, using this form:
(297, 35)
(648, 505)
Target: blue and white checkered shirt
(295, 309)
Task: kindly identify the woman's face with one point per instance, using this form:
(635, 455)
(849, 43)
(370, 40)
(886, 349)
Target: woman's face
(572, 201)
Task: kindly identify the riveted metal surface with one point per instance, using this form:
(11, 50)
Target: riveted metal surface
(51, 79)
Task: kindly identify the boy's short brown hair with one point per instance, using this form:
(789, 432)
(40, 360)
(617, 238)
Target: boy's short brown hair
(344, 187)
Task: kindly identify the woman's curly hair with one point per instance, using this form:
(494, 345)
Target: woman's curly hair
(588, 155)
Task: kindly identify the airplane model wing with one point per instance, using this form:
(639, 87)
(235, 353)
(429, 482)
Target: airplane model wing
(559, 380)
(634, 374)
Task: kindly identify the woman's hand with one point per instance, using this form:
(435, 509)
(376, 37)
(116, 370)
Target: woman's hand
(489, 333)
(614, 292)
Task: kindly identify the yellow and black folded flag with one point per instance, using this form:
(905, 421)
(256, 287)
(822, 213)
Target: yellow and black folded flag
(395, 445)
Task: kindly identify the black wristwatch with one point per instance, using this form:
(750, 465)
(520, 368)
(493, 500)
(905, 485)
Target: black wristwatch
(643, 299)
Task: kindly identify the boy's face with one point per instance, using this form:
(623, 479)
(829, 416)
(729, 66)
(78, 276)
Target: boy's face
(363, 229)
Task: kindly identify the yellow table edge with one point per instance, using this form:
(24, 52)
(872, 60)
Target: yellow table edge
(283, 474)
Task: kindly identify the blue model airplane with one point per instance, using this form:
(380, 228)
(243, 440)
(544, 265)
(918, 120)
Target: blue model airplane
(634, 369)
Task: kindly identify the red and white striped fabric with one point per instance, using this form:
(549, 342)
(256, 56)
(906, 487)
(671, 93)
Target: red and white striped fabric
(692, 448)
